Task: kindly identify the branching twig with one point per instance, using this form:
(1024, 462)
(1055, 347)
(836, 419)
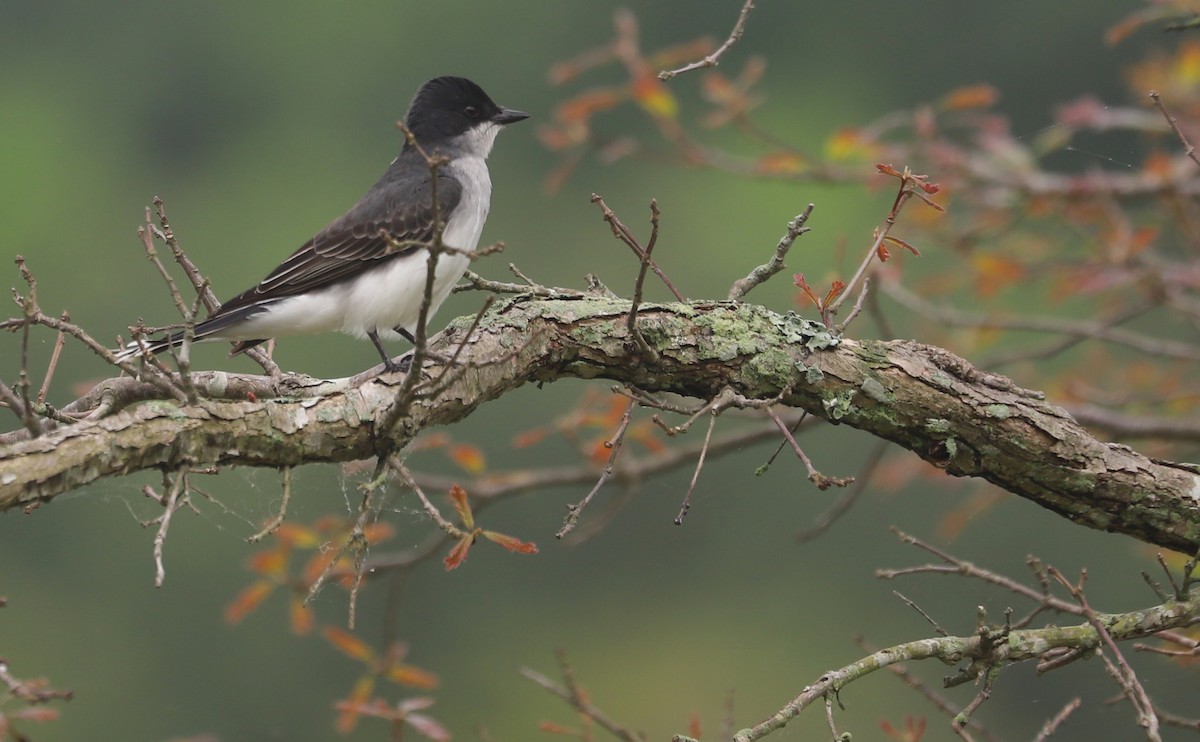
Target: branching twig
(759, 275)
(687, 498)
(631, 321)
(578, 700)
(713, 59)
(823, 482)
(1188, 149)
(614, 444)
(622, 233)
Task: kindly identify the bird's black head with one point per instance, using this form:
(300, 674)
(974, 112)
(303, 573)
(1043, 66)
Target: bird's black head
(448, 107)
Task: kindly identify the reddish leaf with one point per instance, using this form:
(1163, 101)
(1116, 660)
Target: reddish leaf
(511, 543)
(780, 163)
(431, 728)
(350, 708)
(530, 437)
(468, 458)
(247, 601)
(458, 554)
(349, 644)
(835, 290)
(301, 617)
(904, 244)
(972, 96)
(458, 498)
(377, 532)
(412, 676)
(653, 96)
(270, 563)
(582, 107)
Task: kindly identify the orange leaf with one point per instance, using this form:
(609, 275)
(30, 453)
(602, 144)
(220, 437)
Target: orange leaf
(412, 676)
(377, 532)
(301, 617)
(779, 163)
(556, 728)
(904, 244)
(349, 644)
(295, 534)
(850, 144)
(530, 437)
(467, 457)
(581, 107)
(247, 601)
(458, 497)
(972, 96)
(994, 272)
(269, 562)
(458, 554)
(654, 97)
(694, 725)
(350, 707)
(511, 543)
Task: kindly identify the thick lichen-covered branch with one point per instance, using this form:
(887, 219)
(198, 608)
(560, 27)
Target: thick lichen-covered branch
(923, 398)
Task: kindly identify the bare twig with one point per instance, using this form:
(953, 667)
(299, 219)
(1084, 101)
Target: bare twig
(622, 233)
(578, 699)
(846, 500)
(1053, 723)
(631, 320)
(171, 502)
(759, 275)
(713, 59)
(277, 520)
(687, 498)
(1122, 672)
(60, 340)
(614, 444)
(823, 482)
(1188, 149)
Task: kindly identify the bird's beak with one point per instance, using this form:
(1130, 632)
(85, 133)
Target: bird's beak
(509, 116)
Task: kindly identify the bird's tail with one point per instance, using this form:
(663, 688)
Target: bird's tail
(209, 329)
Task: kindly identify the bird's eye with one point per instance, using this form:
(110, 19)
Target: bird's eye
(471, 112)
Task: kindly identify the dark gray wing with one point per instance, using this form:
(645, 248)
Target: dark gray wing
(396, 211)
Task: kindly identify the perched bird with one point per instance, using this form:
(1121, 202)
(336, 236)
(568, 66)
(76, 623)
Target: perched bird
(365, 273)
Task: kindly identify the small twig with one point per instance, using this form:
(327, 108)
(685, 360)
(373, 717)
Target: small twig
(846, 500)
(936, 626)
(277, 519)
(622, 233)
(614, 444)
(450, 364)
(1054, 722)
(857, 308)
(1121, 671)
(170, 504)
(631, 318)
(406, 476)
(59, 341)
(759, 275)
(942, 703)
(578, 700)
(1188, 149)
(713, 59)
(687, 498)
(820, 480)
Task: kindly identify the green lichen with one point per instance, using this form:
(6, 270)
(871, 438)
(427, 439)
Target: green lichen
(937, 425)
(875, 390)
(839, 405)
(998, 411)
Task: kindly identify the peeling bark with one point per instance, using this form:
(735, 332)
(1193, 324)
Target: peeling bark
(925, 399)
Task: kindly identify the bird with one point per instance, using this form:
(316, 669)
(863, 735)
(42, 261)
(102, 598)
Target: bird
(365, 273)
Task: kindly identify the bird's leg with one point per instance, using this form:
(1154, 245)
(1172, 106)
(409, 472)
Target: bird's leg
(389, 365)
(409, 337)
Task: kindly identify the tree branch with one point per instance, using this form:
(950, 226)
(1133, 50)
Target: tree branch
(968, 422)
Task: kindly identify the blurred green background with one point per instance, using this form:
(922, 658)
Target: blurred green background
(259, 123)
